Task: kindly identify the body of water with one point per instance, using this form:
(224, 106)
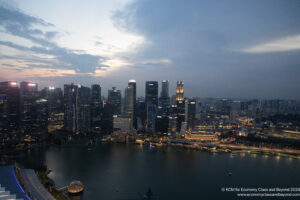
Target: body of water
(120, 171)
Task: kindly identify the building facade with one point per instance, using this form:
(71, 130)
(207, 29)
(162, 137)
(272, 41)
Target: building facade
(114, 99)
(96, 107)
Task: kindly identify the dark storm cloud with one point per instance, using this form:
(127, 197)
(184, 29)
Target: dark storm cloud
(204, 41)
(17, 23)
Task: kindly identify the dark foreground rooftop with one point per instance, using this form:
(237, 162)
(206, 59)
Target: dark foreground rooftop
(9, 181)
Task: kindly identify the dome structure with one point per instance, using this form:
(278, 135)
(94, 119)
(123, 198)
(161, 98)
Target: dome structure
(75, 187)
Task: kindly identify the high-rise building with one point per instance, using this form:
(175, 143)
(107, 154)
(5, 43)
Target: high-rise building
(71, 108)
(162, 120)
(41, 121)
(141, 114)
(114, 99)
(180, 104)
(77, 115)
(151, 105)
(96, 107)
(107, 118)
(129, 101)
(173, 120)
(152, 92)
(28, 112)
(151, 117)
(132, 84)
(84, 109)
(164, 88)
(191, 114)
(3, 117)
(55, 109)
(9, 108)
(180, 91)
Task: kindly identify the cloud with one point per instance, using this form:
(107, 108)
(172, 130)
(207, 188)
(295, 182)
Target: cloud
(17, 23)
(33, 72)
(196, 36)
(290, 43)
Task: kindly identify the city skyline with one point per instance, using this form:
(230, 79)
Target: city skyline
(149, 99)
(249, 51)
(123, 89)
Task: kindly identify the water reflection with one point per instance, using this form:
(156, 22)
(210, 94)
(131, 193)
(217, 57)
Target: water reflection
(131, 169)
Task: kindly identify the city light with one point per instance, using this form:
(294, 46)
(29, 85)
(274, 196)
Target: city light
(13, 84)
(31, 84)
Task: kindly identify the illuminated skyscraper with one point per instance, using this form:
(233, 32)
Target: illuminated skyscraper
(162, 120)
(96, 107)
(172, 120)
(114, 99)
(41, 121)
(28, 97)
(9, 108)
(129, 101)
(55, 108)
(180, 104)
(141, 114)
(77, 108)
(152, 92)
(84, 109)
(191, 114)
(71, 108)
(164, 88)
(132, 84)
(151, 117)
(151, 105)
(180, 91)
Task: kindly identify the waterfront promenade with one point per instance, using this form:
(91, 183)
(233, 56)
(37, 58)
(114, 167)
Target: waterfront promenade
(261, 149)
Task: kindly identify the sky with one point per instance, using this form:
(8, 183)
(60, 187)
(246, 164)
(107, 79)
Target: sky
(219, 48)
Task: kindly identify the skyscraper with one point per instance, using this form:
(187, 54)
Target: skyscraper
(96, 107)
(114, 99)
(77, 115)
(164, 88)
(151, 105)
(172, 120)
(179, 91)
(141, 114)
(84, 114)
(55, 108)
(41, 121)
(71, 108)
(163, 108)
(107, 119)
(180, 104)
(191, 114)
(9, 107)
(152, 92)
(129, 101)
(132, 84)
(151, 117)
(28, 97)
